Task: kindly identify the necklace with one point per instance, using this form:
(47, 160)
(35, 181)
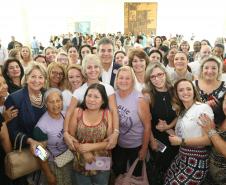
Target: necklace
(36, 99)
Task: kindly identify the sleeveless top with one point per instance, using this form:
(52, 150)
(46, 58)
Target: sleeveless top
(130, 125)
(218, 94)
(90, 134)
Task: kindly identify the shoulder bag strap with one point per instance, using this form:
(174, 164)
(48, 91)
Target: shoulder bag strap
(16, 139)
(21, 141)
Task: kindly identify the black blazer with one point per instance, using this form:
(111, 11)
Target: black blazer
(27, 117)
(113, 73)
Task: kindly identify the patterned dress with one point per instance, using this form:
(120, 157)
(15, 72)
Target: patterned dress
(90, 134)
(189, 167)
(191, 164)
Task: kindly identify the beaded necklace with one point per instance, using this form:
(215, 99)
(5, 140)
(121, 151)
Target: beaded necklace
(36, 100)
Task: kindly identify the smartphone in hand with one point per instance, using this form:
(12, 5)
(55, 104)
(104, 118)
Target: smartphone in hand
(41, 153)
(161, 146)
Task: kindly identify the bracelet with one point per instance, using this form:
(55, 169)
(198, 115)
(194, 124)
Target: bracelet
(182, 142)
(211, 132)
(116, 130)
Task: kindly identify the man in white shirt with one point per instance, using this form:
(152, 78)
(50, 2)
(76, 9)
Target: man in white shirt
(195, 66)
(105, 50)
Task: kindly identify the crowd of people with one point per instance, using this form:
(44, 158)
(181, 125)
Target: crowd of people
(117, 97)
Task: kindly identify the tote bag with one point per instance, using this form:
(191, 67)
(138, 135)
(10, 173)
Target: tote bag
(129, 179)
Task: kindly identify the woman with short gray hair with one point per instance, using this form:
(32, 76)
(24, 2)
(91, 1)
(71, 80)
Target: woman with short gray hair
(49, 130)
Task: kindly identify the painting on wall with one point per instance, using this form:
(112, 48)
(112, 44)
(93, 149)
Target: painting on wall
(140, 17)
(83, 27)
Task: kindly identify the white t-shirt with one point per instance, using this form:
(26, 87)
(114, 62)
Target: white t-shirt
(66, 98)
(80, 92)
(187, 126)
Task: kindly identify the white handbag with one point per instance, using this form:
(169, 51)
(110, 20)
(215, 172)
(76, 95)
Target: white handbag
(64, 158)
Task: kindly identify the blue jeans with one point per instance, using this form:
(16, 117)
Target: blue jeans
(101, 178)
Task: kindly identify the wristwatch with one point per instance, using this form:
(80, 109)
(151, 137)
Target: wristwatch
(211, 132)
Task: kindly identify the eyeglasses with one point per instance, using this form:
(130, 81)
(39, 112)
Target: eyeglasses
(158, 75)
(55, 73)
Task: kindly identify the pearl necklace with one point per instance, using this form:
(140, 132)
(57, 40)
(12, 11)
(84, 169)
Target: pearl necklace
(36, 99)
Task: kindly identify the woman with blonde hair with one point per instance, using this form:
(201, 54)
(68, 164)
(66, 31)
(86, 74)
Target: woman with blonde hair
(25, 56)
(29, 102)
(56, 76)
(210, 87)
(50, 54)
(14, 53)
(134, 123)
(74, 80)
(91, 69)
(62, 58)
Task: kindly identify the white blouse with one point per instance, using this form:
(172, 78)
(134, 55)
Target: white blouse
(187, 126)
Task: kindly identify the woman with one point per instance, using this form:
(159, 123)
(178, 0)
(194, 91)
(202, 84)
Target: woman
(138, 43)
(159, 93)
(205, 42)
(91, 124)
(62, 58)
(26, 56)
(56, 76)
(84, 50)
(210, 87)
(168, 60)
(75, 79)
(91, 68)
(13, 73)
(155, 56)
(217, 161)
(191, 164)
(118, 57)
(14, 53)
(49, 130)
(29, 102)
(138, 60)
(157, 42)
(181, 68)
(50, 54)
(41, 59)
(134, 124)
(73, 55)
(5, 117)
(185, 47)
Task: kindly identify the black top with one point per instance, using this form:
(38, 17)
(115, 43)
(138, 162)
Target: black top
(162, 109)
(12, 87)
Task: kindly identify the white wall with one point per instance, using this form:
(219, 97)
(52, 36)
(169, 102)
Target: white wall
(206, 19)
